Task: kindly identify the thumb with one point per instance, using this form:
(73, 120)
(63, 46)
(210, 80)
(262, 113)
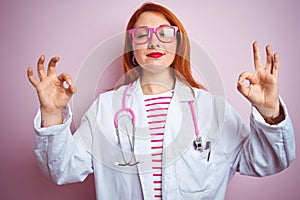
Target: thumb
(72, 87)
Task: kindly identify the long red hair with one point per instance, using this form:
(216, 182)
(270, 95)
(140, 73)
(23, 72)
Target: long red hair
(181, 63)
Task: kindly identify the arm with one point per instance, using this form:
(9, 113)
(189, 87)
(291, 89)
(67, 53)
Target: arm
(264, 149)
(60, 155)
(270, 145)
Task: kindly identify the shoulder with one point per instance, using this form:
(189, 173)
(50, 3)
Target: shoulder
(106, 102)
(109, 95)
(215, 103)
(203, 96)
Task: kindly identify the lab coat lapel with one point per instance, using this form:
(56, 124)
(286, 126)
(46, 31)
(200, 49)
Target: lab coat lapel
(142, 141)
(179, 128)
(142, 130)
(178, 137)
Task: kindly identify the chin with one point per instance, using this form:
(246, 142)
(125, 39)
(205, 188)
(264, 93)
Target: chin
(155, 64)
(155, 67)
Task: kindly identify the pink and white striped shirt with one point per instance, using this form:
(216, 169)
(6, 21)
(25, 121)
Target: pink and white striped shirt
(157, 107)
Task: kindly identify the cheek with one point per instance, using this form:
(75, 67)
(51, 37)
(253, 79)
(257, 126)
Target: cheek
(171, 48)
(170, 58)
(139, 47)
(138, 51)
(138, 54)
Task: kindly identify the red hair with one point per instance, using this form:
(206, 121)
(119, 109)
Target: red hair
(181, 63)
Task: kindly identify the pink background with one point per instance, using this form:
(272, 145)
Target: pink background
(71, 29)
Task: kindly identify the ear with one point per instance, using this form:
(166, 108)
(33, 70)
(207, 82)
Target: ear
(133, 59)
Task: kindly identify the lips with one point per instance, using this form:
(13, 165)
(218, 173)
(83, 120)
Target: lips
(155, 54)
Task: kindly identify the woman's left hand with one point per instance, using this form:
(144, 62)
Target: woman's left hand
(262, 90)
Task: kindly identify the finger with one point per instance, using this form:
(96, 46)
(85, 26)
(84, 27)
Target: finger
(269, 63)
(72, 88)
(52, 65)
(256, 56)
(40, 68)
(275, 67)
(245, 89)
(31, 77)
(64, 77)
(247, 76)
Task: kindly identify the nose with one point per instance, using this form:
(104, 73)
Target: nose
(153, 42)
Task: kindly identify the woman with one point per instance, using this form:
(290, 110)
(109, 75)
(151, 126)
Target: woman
(184, 142)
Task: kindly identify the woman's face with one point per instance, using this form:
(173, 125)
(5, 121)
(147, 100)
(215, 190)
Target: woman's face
(154, 56)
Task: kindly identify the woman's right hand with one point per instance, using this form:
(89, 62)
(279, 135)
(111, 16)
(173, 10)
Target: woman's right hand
(51, 90)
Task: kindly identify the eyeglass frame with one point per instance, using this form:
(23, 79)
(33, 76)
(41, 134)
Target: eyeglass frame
(150, 34)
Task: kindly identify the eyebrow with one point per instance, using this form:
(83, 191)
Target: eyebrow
(155, 27)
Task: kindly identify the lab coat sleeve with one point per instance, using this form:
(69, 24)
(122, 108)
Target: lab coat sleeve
(264, 149)
(61, 156)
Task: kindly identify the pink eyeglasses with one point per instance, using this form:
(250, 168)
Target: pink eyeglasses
(142, 35)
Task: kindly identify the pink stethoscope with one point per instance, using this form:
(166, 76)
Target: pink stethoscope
(197, 141)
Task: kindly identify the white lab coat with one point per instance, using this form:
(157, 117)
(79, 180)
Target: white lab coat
(259, 151)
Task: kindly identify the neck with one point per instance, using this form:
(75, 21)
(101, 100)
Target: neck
(157, 83)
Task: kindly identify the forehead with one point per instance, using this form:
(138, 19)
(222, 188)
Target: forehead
(151, 19)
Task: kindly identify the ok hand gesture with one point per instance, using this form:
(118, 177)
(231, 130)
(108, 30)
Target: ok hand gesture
(52, 93)
(262, 90)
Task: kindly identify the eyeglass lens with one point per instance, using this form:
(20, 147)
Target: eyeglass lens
(164, 34)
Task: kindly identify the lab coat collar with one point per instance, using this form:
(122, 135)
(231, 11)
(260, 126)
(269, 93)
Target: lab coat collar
(182, 91)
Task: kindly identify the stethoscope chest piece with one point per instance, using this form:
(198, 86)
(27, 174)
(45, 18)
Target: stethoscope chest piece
(198, 143)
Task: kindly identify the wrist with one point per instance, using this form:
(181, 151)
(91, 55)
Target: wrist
(276, 118)
(51, 118)
(272, 111)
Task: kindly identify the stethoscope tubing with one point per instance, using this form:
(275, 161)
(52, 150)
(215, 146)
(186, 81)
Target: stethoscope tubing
(197, 142)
